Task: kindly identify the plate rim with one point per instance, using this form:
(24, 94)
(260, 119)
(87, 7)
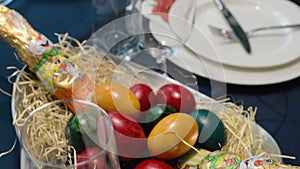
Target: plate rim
(244, 74)
(247, 63)
(244, 71)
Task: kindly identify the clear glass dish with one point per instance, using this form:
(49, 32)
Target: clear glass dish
(155, 80)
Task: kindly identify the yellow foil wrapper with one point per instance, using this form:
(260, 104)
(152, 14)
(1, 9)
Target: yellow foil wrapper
(56, 71)
(193, 159)
(219, 160)
(204, 159)
(18, 33)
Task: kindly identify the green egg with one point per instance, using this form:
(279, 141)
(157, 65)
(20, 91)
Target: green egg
(76, 130)
(212, 134)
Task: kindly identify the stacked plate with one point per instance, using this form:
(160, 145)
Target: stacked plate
(275, 54)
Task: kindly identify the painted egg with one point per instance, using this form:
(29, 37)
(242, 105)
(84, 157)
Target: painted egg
(145, 95)
(116, 97)
(78, 131)
(154, 115)
(89, 155)
(153, 164)
(212, 131)
(165, 141)
(176, 96)
(129, 135)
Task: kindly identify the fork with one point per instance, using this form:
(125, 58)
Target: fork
(227, 34)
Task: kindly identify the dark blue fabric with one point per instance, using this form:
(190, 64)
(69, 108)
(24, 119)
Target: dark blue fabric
(278, 104)
(48, 17)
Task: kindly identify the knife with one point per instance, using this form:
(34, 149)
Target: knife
(235, 26)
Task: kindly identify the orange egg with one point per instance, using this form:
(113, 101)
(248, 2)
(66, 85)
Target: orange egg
(165, 139)
(116, 97)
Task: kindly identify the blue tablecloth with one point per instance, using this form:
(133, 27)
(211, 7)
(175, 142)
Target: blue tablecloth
(278, 104)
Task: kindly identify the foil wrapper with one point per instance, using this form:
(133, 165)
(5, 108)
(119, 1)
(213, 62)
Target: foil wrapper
(258, 162)
(192, 159)
(58, 73)
(18, 33)
(204, 159)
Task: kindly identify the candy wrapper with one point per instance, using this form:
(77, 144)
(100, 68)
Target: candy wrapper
(58, 73)
(204, 159)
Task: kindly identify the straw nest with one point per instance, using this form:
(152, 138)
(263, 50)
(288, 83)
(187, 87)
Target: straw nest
(29, 94)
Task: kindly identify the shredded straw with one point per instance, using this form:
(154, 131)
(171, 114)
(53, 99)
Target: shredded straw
(29, 94)
(47, 134)
(243, 136)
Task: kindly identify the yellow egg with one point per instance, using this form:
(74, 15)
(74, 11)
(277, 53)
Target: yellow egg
(165, 139)
(116, 97)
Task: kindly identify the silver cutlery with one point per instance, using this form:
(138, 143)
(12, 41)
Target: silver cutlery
(235, 26)
(227, 34)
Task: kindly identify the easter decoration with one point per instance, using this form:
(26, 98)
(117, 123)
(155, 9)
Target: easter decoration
(58, 71)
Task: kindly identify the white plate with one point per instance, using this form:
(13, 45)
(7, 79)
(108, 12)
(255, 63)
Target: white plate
(270, 48)
(236, 75)
(162, 30)
(232, 74)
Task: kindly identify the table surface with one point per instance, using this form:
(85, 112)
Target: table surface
(278, 104)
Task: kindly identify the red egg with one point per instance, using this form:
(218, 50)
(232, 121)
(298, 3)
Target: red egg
(129, 135)
(145, 95)
(153, 164)
(176, 96)
(88, 154)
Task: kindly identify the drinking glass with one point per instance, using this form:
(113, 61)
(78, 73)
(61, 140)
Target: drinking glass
(51, 140)
(113, 30)
(170, 24)
(5, 2)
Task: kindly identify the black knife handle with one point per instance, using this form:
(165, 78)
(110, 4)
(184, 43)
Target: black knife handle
(238, 30)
